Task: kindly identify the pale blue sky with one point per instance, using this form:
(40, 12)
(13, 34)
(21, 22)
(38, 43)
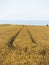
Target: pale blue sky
(24, 10)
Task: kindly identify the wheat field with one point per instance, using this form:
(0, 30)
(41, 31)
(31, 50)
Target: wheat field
(24, 45)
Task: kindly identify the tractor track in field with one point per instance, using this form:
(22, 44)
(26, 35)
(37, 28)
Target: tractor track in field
(12, 39)
(10, 45)
(32, 39)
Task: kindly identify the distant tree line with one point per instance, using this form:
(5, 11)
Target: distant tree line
(47, 25)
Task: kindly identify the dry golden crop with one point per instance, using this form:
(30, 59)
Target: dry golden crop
(24, 45)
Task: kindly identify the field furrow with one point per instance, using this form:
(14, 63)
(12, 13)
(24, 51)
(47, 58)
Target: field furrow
(9, 32)
(12, 39)
(31, 37)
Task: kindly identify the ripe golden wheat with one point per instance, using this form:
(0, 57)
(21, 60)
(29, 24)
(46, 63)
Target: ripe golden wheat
(24, 45)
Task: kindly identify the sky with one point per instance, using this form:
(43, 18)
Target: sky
(24, 10)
